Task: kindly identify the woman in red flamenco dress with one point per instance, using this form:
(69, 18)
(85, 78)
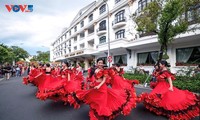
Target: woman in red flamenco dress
(33, 74)
(51, 85)
(90, 78)
(170, 101)
(119, 82)
(105, 103)
(79, 75)
(71, 85)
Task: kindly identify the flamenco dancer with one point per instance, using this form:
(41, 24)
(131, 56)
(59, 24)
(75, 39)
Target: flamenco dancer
(32, 76)
(105, 103)
(73, 83)
(119, 82)
(79, 75)
(51, 84)
(169, 101)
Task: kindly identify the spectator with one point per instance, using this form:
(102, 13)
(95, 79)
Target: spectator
(7, 71)
(18, 71)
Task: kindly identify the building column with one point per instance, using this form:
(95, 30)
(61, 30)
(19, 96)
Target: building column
(134, 59)
(129, 57)
(86, 62)
(172, 57)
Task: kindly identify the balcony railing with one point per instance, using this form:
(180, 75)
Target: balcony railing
(119, 20)
(101, 29)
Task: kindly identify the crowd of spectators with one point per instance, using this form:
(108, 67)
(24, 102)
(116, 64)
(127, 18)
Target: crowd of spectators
(7, 71)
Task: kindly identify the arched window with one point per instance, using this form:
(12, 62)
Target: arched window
(120, 16)
(120, 34)
(102, 9)
(142, 4)
(90, 18)
(102, 25)
(102, 39)
(82, 23)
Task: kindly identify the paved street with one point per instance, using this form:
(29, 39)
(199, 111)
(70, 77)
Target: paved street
(18, 102)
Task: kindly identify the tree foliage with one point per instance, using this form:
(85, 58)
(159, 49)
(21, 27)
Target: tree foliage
(165, 18)
(10, 54)
(42, 57)
(19, 53)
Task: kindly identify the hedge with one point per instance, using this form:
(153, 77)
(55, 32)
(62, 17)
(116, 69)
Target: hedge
(181, 82)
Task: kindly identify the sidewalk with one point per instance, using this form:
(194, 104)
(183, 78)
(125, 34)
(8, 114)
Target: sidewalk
(1, 79)
(142, 86)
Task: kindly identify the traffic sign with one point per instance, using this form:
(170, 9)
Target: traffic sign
(109, 59)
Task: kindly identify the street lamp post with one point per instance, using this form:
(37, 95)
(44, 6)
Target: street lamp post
(105, 1)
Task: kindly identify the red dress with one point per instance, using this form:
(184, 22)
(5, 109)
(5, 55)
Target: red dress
(71, 86)
(118, 82)
(104, 102)
(32, 77)
(51, 86)
(176, 104)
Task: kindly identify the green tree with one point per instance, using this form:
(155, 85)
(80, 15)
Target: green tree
(6, 54)
(3, 53)
(42, 57)
(19, 53)
(13, 53)
(165, 18)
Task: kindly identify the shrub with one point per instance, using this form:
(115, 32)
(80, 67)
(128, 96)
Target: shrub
(181, 82)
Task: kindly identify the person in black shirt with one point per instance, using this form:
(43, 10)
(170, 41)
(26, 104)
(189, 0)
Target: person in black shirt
(7, 71)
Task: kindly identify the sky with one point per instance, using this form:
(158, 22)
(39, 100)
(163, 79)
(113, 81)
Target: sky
(35, 31)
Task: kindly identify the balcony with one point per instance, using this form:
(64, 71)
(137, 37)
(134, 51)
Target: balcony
(119, 23)
(101, 30)
(147, 34)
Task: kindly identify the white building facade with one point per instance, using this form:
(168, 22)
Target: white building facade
(86, 39)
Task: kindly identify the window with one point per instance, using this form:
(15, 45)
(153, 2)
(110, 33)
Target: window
(148, 58)
(119, 17)
(121, 59)
(75, 28)
(90, 17)
(102, 25)
(102, 39)
(75, 48)
(75, 39)
(193, 13)
(102, 9)
(82, 35)
(120, 34)
(70, 32)
(65, 35)
(189, 55)
(142, 4)
(82, 46)
(82, 23)
(69, 42)
(116, 1)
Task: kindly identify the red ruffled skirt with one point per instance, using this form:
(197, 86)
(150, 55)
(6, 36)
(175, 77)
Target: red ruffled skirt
(71, 87)
(31, 78)
(120, 83)
(176, 105)
(51, 87)
(104, 102)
